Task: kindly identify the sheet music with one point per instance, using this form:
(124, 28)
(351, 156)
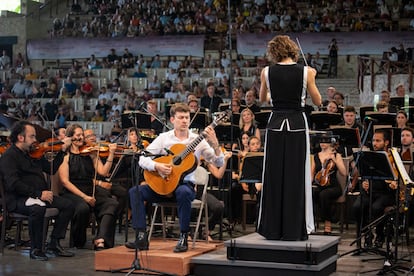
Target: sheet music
(400, 167)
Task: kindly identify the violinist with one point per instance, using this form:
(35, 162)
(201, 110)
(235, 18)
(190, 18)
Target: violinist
(24, 179)
(240, 188)
(325, 166)
(383, 195)
(77, 173)
(115, 189)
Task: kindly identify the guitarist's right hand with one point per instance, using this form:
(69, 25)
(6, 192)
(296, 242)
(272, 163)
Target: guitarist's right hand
(163, 169)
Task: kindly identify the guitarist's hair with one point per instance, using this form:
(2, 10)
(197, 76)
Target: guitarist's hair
(179, 107)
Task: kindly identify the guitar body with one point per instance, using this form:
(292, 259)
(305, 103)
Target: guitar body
(165, 185)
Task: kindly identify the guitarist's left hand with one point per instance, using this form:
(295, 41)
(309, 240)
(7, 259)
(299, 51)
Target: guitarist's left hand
(211, 137)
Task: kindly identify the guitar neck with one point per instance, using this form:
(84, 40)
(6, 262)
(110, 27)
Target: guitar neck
(190, 148)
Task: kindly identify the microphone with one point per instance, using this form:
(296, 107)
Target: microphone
(368, 118)
(168, 151)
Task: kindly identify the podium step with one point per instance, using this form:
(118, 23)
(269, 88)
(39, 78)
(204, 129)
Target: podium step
(217, 264)
(254, 247)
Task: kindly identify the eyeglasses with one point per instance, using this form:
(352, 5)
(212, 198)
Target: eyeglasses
(90, 136)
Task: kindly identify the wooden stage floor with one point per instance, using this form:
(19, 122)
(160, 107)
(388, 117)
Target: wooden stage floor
(160, 257)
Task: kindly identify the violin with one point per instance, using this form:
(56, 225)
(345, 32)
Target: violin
(101, 148)
(322, 178)
(50, 145)
(3, 148)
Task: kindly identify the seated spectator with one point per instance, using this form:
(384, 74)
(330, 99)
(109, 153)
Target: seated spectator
(70, 86)
(87, 87)
(139, 73)
(19, 88)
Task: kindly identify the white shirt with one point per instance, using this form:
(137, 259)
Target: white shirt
(167, 139)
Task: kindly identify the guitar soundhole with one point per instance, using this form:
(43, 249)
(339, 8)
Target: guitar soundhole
(177, 161)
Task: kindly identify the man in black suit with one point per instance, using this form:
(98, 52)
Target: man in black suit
(27, 191)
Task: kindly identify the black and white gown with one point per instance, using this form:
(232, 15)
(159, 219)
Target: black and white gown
(286, 211)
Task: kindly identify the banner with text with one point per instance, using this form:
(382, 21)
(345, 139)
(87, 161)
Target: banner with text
(69, 48)
(349, 43)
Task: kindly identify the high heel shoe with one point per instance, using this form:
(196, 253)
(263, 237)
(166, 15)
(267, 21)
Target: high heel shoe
(99, 244)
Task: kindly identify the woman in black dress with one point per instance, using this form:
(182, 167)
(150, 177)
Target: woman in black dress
(325, 166)
(77, 173)
(286, 211)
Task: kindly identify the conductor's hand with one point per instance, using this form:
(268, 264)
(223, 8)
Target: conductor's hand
(163, 169)
(365, 185)
(90, 200)
(47, 196)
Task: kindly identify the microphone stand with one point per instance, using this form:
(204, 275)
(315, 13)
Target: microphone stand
(136, 263)
(359, 250)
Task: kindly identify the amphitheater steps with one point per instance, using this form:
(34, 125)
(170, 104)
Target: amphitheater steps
(346, 86)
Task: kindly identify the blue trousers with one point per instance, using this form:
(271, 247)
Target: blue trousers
(184, 194)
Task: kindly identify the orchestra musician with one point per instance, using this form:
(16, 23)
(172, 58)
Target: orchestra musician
(349, 118)
(325, 166)
(77, 173)
(247, 123)
(240, 188)
(407, 147)
(156, 125)
(401, 119)
(24, 179)
(119, 191)
(383, 195)
(215, 206)
(184, 192)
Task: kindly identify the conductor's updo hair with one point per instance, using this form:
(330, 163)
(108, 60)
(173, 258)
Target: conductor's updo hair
(281, 47)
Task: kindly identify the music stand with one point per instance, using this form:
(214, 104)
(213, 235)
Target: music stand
(348, 138)
(224, 133)
(364, 109)
(252, 168)
(400, 101)
(138, 119)
(235, 118)
(382, 118)
(261, 118)
(198, 120)
(322, 120)
(372, 165)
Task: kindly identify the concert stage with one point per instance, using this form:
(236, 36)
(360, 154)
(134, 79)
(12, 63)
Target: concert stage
(247, 254)
(159, 257)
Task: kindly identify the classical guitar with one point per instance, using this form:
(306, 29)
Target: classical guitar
(183, 162)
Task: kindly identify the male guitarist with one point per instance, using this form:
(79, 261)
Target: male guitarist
(163, 170)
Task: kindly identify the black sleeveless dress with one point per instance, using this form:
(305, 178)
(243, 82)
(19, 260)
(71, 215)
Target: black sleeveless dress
(286, 211)
(325, 196)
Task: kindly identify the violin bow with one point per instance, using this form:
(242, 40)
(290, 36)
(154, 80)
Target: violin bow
(301, 51)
